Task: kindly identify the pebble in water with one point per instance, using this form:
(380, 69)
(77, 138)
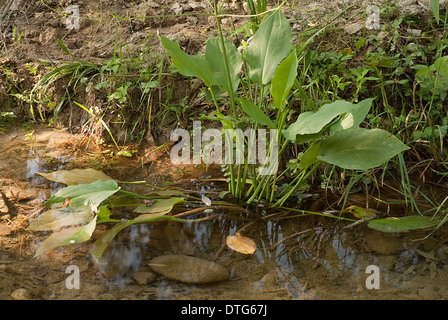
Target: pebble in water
(21, 294)
(189, 269)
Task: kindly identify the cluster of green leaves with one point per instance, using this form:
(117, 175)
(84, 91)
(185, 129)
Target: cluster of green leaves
(270, 64)
(403, 67)
(386, 64)
(74, 211)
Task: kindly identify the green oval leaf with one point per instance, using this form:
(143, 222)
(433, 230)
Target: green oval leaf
(313, 122)
(215, 56)
(85, 194)
(67, 237)
(284, 79)
(403, 223)
(159, 207)
(354, 117)
(270, 45)
(360, 149)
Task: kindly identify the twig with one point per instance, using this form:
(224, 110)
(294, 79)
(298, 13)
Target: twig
(319, 248)
(186, 213)
(294, 235)
(361, 221)
(8, 5)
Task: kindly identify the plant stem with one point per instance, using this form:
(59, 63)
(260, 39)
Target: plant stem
(226, 62)
(280, 202)
(135, 195)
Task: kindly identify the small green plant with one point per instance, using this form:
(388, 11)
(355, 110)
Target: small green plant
(128, 83)
(75, 70)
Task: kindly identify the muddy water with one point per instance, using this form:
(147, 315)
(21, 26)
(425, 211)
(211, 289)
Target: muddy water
(298, 256)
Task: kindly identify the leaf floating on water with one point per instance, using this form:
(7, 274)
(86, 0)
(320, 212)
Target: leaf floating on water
(159, 207)
(241, 243)
(76, 176)
(403, 223)
(206, 200)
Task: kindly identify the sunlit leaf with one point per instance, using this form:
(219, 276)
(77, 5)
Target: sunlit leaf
(241, 243)
(189, 65)
(284, 79)
(86, 194)
(216, 58)
(67, 237)
(76, 176)
(354, 117)
(270, 45)
(313, 122)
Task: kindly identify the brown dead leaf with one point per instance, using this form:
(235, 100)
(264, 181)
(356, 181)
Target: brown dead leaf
(241, 243)
(4, 230)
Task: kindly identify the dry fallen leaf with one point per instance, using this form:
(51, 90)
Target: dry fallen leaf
(4, 230)
(241, 243)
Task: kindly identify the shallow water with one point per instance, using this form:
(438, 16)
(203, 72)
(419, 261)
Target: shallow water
(297, 256)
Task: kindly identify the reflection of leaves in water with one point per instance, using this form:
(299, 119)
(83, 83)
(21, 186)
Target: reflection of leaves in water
(67, 236)
(61, 217)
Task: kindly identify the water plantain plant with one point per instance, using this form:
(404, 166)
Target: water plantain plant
(258, 83)
(74, 211)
